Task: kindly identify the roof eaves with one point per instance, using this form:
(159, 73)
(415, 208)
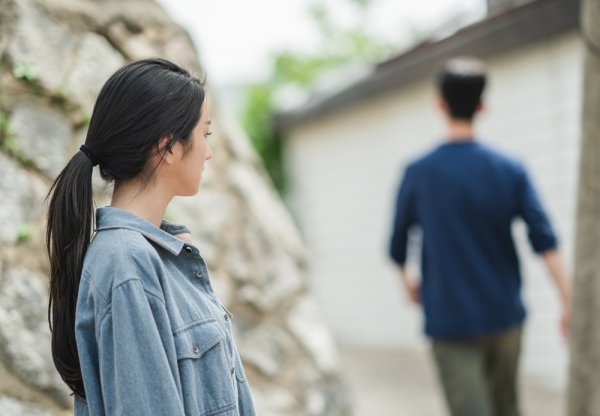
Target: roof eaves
(498, 34)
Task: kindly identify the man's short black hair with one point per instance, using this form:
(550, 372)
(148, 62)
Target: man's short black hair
(461, 82)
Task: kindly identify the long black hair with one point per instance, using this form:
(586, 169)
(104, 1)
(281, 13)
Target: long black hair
(140, 104)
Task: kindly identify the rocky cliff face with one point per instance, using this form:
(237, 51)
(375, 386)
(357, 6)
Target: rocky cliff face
(54, 57)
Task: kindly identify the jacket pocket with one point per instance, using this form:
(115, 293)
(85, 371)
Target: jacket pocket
(240, 374)
(204, 369)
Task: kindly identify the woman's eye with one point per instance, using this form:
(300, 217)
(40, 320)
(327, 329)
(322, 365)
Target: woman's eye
(208, 133)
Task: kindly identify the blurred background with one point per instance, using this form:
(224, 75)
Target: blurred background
(350, 87)
(319, 105)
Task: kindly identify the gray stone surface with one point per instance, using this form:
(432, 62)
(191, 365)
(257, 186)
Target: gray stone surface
(313, 335)
(40, 46)
(266, 348)
(13, 407)
(43, 135)
(274, 400)
(265, 208)
(134, 45)
(211, 212)
(95, 61)
(18, 196)
(24, 333)
(237, 143)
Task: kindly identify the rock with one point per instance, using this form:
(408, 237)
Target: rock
(269, 275)
(24, 333)
(277, 280)
(312, 334)
(265, 208)
(19, 196)
(14, 407)
(134, 45)
(179, 48)
(208, 214)
(207, 222)
(274, 400)
(321, 399)
(95, 62)
(251, 295)
(237, 141)
(265, 348)
(40, 48)
(285, 279)
(316, 402)
(43, 136)
(223, 287)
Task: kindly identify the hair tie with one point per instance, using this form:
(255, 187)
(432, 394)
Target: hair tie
(90, 155)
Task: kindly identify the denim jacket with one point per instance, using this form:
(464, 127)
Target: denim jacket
(152, 337)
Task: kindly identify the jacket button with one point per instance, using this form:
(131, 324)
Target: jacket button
(199, 274)
(188, 249)
(196, 350)
(226, 317)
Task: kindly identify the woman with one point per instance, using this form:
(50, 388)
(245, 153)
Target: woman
(136, 326)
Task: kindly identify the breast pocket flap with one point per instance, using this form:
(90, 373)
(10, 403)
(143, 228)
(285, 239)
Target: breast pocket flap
(195, 339)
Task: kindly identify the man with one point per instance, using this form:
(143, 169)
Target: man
(464, 196)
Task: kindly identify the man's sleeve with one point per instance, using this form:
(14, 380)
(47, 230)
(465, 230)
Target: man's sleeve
(404, 217)
(540, 232)
(135, 372)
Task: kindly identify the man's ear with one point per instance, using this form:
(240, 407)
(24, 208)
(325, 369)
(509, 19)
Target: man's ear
(480, 107)
(441, 105)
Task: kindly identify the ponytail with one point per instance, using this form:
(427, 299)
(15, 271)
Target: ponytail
(68, 234)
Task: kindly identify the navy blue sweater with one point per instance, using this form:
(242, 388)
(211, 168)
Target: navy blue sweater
(465, 196)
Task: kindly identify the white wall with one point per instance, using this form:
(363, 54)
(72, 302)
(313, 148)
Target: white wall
(345, 169)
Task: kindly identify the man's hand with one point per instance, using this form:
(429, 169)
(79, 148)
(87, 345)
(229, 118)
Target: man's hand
(411, 286)
(413, 291)
(557, 271)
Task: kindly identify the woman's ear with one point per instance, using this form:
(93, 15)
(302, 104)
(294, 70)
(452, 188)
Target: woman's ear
(164, 149)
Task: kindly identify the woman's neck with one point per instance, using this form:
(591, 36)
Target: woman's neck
(149, 202)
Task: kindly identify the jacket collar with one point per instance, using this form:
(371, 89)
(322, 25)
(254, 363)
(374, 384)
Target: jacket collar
(108, 218)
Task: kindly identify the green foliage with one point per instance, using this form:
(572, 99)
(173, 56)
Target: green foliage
(24, 232)
(339, 46)
(9, 143)
(11, 146)
(87, 117)
(61, 96)
(5, 128)
(24, 71)
(258, 122)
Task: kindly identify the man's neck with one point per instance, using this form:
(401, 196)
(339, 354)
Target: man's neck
(460, 130)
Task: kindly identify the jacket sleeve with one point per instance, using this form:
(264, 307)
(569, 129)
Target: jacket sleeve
(136, 373)
(539, 230)
(404, 218)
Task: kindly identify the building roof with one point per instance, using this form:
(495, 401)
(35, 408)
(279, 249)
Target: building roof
(498, 34)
